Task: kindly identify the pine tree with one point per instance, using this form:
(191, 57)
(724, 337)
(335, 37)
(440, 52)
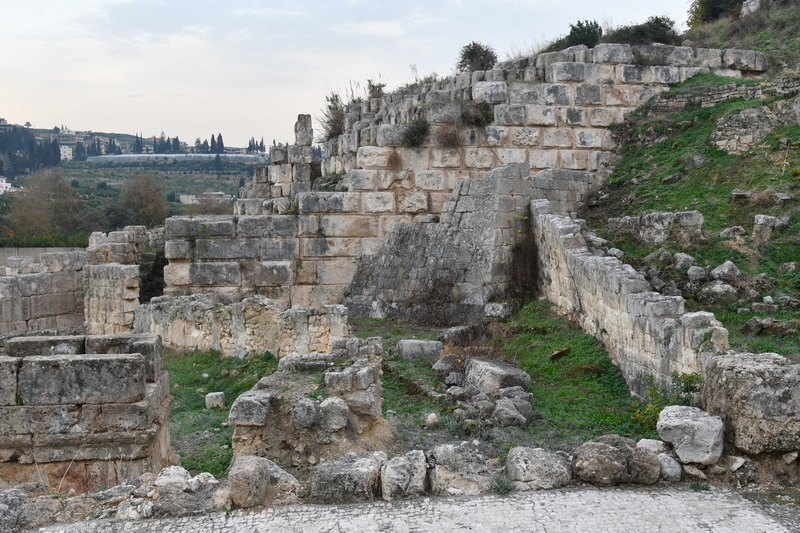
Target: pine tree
(213, 149)
(176, 145)
(220, 144)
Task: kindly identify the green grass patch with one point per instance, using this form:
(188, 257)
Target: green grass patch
(197, 433)
(582, 394)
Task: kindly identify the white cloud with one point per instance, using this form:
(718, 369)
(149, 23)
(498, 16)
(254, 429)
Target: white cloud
(377, 27)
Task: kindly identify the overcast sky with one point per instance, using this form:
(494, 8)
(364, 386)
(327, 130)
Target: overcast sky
(246, 68)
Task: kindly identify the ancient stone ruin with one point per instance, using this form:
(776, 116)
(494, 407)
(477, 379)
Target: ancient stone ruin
(82, 411)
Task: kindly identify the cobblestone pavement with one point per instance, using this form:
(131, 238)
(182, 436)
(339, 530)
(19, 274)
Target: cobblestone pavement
(582, 510)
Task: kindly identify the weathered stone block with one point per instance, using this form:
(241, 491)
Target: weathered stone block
(278, 249)
(213, 273)
(556, 94)
(178, 251)
(303, 132)
(9, 367)
(509, 114)
(446, 158)
(419, 349)
(491, 92)
(373, 157)
(81, 379)
(278, 156)
(29, 346)
(226, 248)
(267, 273)
(335, 272)
(612, 53)
(15, 309)
(351, 479)
(250, 409)
(199, 227)
(538, 115)
(695, 435)
(300, 154)
(746, 60)
(329, 202)
(444, 112)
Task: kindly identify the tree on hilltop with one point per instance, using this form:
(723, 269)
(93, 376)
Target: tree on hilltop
(476, 56)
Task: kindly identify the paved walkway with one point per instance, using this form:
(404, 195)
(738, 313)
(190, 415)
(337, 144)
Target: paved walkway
(639, 510)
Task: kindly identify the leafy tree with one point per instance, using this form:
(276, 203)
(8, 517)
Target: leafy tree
(653, 30)
(476, 56)
(141, 202)
(701, 11)
(48, 206)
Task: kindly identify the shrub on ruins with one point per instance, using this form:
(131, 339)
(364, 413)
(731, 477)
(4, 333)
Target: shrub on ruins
(417, 133)
(701, 11)
(332, 119)
(586, 32)
(653, 30)
(447, 135)
(476, 56)
(477, 115)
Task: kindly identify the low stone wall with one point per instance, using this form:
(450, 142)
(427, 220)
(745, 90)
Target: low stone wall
(51, 299)
(740, 133)
(645, 333)
(654, 229)
(82, 411)
(253, 325)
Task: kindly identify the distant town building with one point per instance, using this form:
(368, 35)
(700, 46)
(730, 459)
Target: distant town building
(66, 151)
(216, 197)
(234, 150)
(5, 126)
(5, 186)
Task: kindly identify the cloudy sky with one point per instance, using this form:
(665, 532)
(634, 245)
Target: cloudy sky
(246, 68)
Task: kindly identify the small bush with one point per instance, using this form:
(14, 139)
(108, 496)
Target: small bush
(417, 133)
(701, 11)
(375, 88)
(654, 30)
(584, 32)
(477, 115)
(446, 136)
(476, 56)
(683, 388)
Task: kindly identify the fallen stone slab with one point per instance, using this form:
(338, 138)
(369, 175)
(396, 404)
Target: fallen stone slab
(404, 476)
(695, 435)
(353, 478)
(611, 459)
(490, 377)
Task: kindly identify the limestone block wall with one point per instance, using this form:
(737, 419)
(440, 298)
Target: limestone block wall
(646, 334)
(112, 279)
(452, 267)
(82, 411)
(253, 325)
(49, 299)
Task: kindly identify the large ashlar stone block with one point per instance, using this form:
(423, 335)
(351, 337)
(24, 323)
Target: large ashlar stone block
(391, 134)
(213, 273)
(329, 202)
(378, 202)
(267, 274)
(759, 398)
(15, 310)
(200, 227)
(490, 92)
(747, 60)
(81, 379)
(613, 53)
(226, 248)
(278, 249)
(373, 157)
(29, 346)
(148, 345)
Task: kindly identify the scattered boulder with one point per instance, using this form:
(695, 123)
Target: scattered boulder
(497, 310)
(733, 231)
(404, 476)
(655, 446)
(173, 475)
(258, 482)
(490, 377)
(727, 271)
(534, 469)
(457, 469)
(352, 479)
(449, 363)
(418, 349)
(506, 413)
(612, 459)
(718, 293)
(670, 468)
(38, 513)
(695, 435)
(215, 400)
(696, 273)
(757, 395)
(682, 261)
(250, 409)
